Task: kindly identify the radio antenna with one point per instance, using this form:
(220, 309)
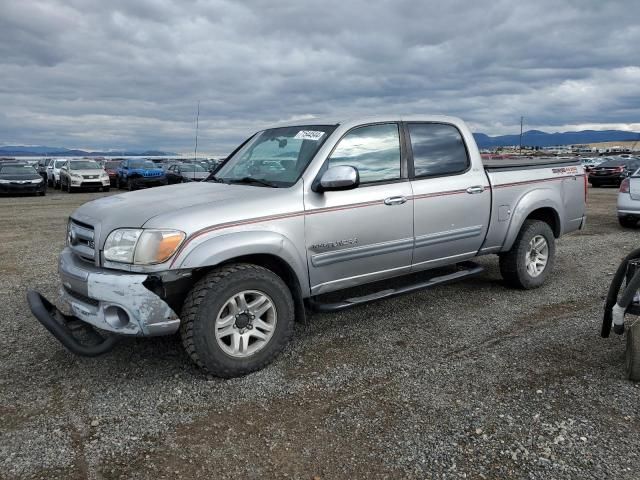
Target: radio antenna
(195, 150)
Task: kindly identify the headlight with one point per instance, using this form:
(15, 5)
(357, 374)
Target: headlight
(142, 246)
(5, 181)
(76, 176)
(37, 181)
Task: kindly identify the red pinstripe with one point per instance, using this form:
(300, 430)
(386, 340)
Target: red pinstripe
(316, 211)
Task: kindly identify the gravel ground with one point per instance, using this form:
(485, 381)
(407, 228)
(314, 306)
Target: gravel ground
(471, 380)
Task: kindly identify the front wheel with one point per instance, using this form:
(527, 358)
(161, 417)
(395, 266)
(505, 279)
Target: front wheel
(106, 189)
(237, 319)
(531, 257)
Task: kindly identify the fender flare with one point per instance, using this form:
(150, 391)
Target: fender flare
(530, 202)
(216, 250)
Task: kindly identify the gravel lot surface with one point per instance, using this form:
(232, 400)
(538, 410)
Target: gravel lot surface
(471, 380)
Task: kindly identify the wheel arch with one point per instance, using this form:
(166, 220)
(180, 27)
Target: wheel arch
(544, 205)
(270, 250)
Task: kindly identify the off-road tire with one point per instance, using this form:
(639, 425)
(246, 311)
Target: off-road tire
(205, 300)
(627, 222)
(632, 354)
(513, 263)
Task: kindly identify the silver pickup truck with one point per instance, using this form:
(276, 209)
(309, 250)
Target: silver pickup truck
(297, 212)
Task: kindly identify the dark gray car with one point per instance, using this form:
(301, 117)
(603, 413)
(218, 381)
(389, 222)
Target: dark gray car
(186, 172)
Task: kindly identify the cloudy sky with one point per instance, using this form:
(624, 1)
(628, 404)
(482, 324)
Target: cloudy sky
(128, 74)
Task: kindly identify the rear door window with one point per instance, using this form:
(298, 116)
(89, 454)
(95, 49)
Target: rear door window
(438, 149)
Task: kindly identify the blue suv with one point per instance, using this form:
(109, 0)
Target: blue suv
(135, 173)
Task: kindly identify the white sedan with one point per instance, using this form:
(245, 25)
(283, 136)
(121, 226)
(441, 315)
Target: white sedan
(629, 200)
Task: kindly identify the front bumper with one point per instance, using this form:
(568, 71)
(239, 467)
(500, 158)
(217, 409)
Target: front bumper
(90, 183)
(112, 300)
(18, 188)
(148, 181)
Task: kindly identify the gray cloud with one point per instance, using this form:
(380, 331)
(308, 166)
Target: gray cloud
(124, 74)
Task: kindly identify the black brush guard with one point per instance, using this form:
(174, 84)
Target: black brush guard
(63, 327)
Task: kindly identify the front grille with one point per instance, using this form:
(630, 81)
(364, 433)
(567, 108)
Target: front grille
(81, 298)
(90, 176)
(80, 239)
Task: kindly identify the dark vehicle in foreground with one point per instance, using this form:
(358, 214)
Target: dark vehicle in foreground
(613, 172)
(76, 174)
(111, 167)
(138, 173)
(21, 178)
(186, 172)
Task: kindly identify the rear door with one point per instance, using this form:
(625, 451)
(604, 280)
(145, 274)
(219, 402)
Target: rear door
(452, 197)
(364, 234)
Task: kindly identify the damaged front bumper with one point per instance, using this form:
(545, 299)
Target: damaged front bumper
(108, 300)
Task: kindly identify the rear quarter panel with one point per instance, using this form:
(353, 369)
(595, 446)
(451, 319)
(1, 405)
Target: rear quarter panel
(519, 192)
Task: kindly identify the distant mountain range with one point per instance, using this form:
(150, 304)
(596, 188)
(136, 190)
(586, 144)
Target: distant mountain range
(530, 138)
(536, 138)
(44, 151)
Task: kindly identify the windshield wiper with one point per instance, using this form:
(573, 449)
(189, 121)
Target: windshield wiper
(259, 181)
(213, 178)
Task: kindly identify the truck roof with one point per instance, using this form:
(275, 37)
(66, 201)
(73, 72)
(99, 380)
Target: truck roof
(353, 121)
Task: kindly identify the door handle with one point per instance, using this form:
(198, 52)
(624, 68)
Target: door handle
(475, 189)
(395, 200)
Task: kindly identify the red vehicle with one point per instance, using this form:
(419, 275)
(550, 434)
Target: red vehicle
(111, 167)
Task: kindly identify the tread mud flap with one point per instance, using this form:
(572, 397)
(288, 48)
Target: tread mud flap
(63, 327)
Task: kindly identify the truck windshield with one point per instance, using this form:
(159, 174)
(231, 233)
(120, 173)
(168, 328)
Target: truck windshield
(275, 157)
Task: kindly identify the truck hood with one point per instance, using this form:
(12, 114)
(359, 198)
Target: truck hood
(187, 207)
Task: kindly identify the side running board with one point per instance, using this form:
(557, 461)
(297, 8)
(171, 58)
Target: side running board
(464, 270)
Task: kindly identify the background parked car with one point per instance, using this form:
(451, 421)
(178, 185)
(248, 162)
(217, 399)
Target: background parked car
(53, 172)
(21, 178)
(629, 201)
(43, 163)
(111, 167)
(137, 173)
(186, 172)
(76, 174)
(590, 163)
(613, 172)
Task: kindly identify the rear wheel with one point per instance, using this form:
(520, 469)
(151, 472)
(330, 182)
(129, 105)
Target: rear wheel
(627, 222)
(237, 319)
(531, 257)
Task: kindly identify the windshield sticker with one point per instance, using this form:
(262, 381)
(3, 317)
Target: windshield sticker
(309, 135)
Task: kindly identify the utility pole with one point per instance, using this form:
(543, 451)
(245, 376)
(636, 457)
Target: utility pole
(195, 150)
(521, 122)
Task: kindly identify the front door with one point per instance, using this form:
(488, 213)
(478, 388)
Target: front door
(452, 197)
(364, 234)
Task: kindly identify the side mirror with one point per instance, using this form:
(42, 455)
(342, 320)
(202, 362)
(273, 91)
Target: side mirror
(343, 177)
